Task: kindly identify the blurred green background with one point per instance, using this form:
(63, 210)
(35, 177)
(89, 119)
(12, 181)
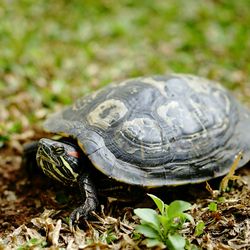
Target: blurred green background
(56, 51)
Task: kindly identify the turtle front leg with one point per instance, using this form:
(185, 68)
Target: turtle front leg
(89, 195)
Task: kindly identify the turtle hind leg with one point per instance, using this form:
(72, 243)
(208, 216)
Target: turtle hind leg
(89, 195)
(29, 157)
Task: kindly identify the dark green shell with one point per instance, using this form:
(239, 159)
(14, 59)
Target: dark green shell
(159, 130)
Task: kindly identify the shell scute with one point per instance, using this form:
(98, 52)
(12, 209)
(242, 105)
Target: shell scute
(159, 130)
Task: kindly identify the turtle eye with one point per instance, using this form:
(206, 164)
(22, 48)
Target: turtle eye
(59, 150)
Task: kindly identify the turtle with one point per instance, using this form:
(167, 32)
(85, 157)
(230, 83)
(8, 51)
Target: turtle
(146, 132)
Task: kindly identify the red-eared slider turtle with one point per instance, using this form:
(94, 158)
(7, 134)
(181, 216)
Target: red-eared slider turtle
(147, 132)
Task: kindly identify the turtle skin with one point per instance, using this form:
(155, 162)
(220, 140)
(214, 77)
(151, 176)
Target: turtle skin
(159, 130)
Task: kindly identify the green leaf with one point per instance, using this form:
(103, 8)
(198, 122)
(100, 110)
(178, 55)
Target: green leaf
(136, 235)
(16, 127)
(148, 215)
(188, 217)
(34, 241)
(199, 229)
(163, 228)
(221, 199)
(165, 223)
(176, 242)
(159, 203)
(154, 243)
(177, 207)
(147, 231)
(190, 246)
(164, 220)
(110, 238)
(165, 209)
(3, 140)
(212, 207)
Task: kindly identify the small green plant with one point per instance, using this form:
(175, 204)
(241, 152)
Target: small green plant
(199, 229)
(212, 207)
(110, 237)
(3, 139)
(32, 244)
(162, 229)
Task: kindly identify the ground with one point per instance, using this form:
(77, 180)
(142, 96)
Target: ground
(54, 52)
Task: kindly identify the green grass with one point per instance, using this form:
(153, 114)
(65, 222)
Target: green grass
(73, 47)
(56, 51)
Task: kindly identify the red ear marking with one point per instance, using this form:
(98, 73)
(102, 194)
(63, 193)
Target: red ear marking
(74, 153)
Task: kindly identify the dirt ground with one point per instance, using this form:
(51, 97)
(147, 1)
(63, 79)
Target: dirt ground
(34, 211)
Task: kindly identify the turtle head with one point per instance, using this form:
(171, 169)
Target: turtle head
(59, 160)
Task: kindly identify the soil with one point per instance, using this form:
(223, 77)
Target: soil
(34, 210)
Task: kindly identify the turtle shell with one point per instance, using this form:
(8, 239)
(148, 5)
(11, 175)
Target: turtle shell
(158, 130)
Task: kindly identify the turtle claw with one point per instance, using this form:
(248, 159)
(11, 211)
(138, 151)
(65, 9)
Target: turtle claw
(73, 220)
(78, 213)
(82, 212)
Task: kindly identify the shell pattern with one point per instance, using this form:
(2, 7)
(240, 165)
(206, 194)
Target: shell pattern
(159, 130)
